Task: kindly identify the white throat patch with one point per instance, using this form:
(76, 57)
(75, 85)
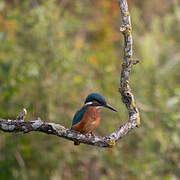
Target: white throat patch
(98, 107)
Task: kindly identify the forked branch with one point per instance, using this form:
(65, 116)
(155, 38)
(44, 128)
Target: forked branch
(19, 125)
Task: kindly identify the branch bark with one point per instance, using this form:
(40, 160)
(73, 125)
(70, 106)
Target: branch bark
(19, 125)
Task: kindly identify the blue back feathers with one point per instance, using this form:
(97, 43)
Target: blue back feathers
(79, 114)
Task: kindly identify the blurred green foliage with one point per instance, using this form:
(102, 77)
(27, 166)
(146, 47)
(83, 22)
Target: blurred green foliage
(53, 53)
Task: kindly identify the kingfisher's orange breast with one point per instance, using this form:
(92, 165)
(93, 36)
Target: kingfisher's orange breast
(90, 120)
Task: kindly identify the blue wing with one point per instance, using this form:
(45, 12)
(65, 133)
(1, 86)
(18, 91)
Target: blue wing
(78, 116)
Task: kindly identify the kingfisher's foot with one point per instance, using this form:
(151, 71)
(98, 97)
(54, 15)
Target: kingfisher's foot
(92, 134)
(89, 134)
(86, 135)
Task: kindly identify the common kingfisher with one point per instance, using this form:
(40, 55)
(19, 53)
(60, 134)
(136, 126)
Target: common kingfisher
(88, 117)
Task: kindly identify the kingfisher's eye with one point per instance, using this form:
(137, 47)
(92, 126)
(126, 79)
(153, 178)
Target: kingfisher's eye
(96, 102)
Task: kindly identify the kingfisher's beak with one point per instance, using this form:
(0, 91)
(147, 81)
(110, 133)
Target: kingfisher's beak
(110, 107)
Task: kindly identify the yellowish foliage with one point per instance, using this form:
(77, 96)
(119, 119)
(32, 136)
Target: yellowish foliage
(93, 60)
(79, 43)
(8, 26)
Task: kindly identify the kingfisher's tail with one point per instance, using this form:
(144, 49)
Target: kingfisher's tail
(76, 143)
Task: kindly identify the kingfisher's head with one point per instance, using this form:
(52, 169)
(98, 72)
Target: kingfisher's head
(98, 100)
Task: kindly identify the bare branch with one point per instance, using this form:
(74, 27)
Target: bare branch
(125, 90)
(19, 125)
(53, 129)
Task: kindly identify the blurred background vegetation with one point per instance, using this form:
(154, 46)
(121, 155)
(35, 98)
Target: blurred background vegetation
(53, 53)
